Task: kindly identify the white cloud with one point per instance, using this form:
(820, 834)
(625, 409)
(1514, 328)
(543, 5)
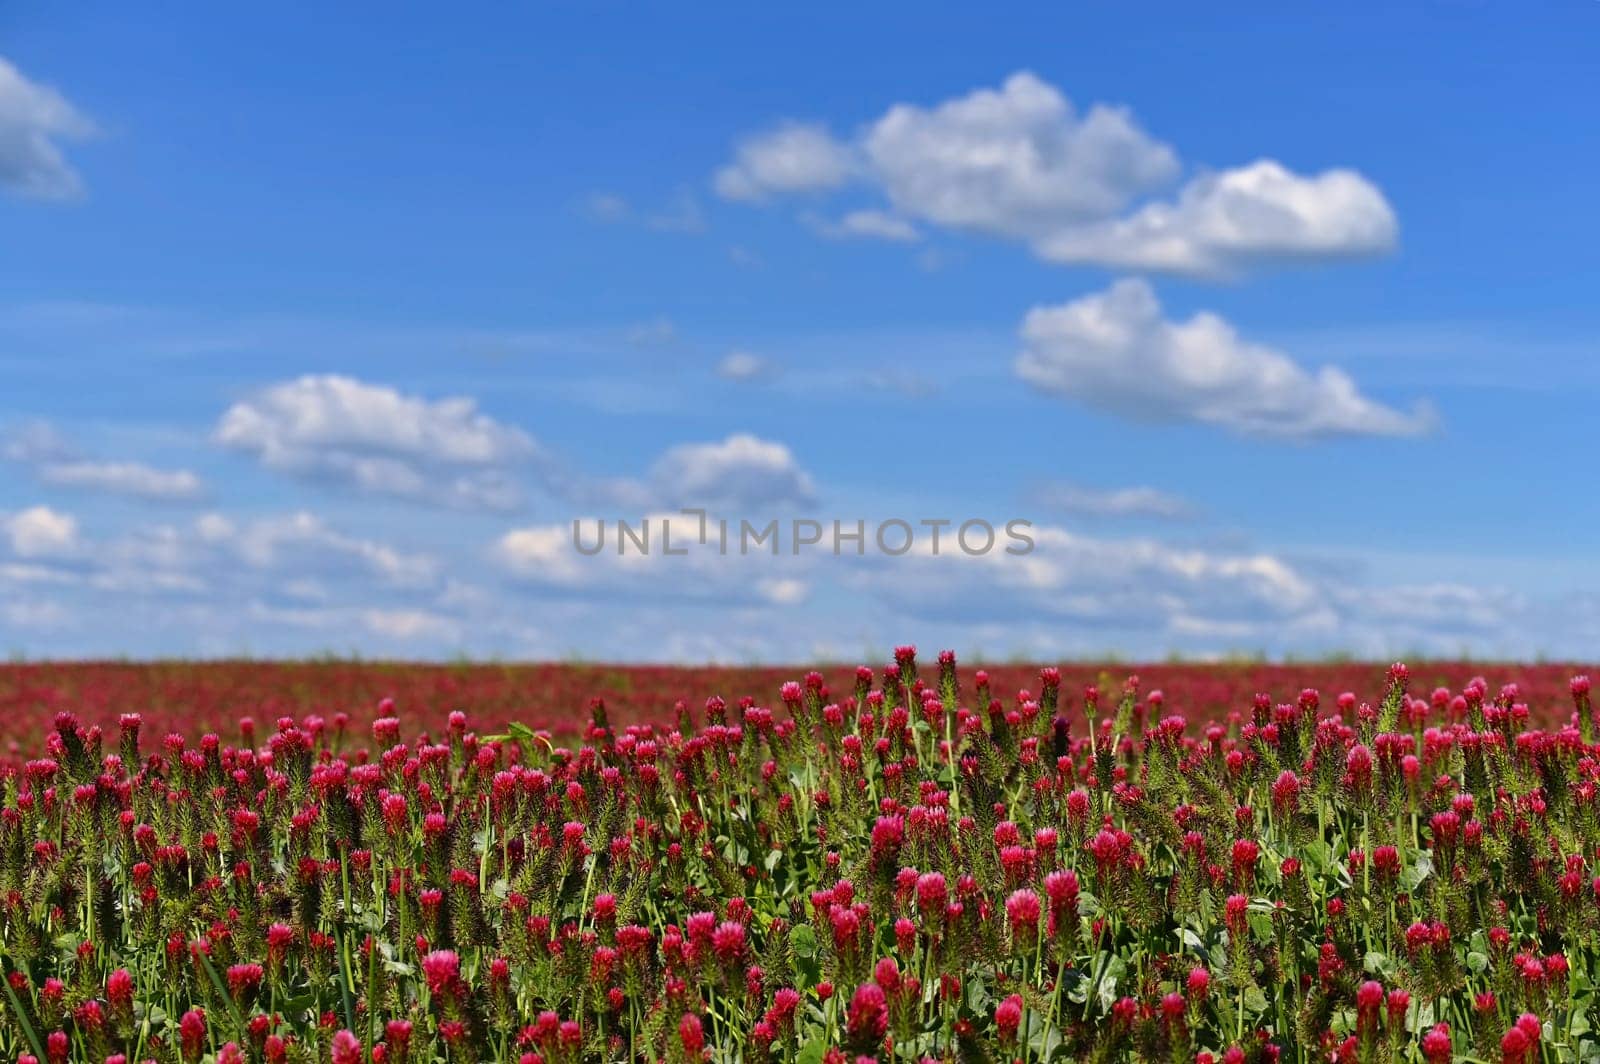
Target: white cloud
(1080, 501)
(784, 592)
(739, 472)
(1014, 161)
(866, 224)
(40, 532)
(303, 543)
(744, 366)
(673, 564)
(125, 478)
(407, 625)
(54, 460)
(30, 616)
(1135, 585)
(1020, 162)
(34, 118)
(381, 441)
(34, 443)
(1142, 596)
(1115, 351)
(388, 625)
(545, 552)
(792, 158)
(1223, 222)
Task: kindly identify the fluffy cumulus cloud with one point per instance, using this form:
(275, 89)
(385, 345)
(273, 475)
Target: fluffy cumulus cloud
(40, 532)
(740, 472)
(1090, 186)
(1013, 161)
(1116, 351)
(34, 121)
(1224, 222)
(381, 441)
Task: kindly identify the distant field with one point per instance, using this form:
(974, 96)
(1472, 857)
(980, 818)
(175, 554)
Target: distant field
(200, 696)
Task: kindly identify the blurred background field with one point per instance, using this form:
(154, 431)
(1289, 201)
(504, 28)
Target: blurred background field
(197, 696)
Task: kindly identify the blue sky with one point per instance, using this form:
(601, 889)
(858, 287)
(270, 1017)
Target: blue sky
(317, 331)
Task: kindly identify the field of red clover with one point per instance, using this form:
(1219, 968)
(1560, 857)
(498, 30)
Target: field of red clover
(339, 862)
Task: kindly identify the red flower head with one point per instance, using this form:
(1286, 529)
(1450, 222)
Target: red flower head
(1234, 913)
(1436, 1048)
(1286, 792)
(119, 992)
(398, 1035)
(1008, 1017)
(442, 969)
(1173, 1007)
(244, 980)
(345, 1048)
(1023, 910)
(727, 941)
(192, 1034)
(692, 1034)
(887, 975)
(1246, 852)
(1514, 1046)
(1358, 769)
(867, 1015)
(1369, 997)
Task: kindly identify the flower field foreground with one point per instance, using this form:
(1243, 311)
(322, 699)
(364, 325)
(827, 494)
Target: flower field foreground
(921, 867)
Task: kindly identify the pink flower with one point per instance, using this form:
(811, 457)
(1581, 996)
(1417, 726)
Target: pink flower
(442, 969)
(887, 975)
(192, 1034)
(1022, 910)
(1436, 1048)
(1008, 1017)
(1513, 1046)
(727, 942)
(867, 1015)
(692, 1034)
(345, 1048)
(119, 991)
(244, 979)
(931, 893)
